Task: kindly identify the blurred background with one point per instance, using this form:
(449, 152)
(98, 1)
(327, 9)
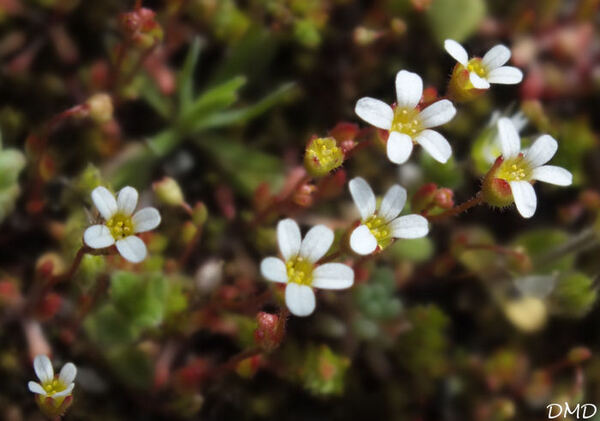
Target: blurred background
(490, 317)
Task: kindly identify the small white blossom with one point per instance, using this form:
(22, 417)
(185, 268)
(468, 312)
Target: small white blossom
(379, 227)
(519, 168)
(486, 70)
(121, 223)
(299, 269)
(50, 386)
(406, 123)
(491, 150)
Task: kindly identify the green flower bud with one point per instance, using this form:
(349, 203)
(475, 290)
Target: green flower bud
(168, 192)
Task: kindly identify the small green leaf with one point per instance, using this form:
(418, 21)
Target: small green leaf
(455, 19)
(185, 79)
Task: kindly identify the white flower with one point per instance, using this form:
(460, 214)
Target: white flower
(406, 123)
(379, 227)
(300, 271)
(50, 387)
(519, 168)
(486, 70)
(491, 150)
(120, 225)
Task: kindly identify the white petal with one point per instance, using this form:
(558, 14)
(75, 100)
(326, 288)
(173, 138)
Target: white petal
(65, 392)
(333, 276)
(98, 237)
(273, 269)
(68, 373)
(392, 203)
(506, 75)
(127, 200)
(300, 299)
(36, 388)
(105, 202)
(553, 175)
(457, 51)
(316, 243)
(362, 241)
(43, 368)
(524, 196)
(510, 142)
(539, 286)
(437, 114)
(409, 89)
(145, 220)
(542, 150)
(288, 238)
(363, 196)
(409, 226)
(132, 248)
(375, 112)
(435, 144)
(496, 57)
(399, 147)
(478, 82)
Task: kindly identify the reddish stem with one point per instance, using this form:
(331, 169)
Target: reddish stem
(476, 200)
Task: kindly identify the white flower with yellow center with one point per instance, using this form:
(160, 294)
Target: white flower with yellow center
(519, 168)
(121, 223)
(486, 70)
(57, 388)
(299, 269)
(379, 227)
(406, 123)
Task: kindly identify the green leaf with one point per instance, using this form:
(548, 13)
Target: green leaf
(245, 114)
(210, 102)
(185, 79)
(246, 167)
(108, 327)
(415, 250)
(574, 295)
(539, 242)
(455, 19)
(159, 102)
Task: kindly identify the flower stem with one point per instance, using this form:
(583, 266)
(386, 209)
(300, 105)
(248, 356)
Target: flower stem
(83, 250)
(474, 201)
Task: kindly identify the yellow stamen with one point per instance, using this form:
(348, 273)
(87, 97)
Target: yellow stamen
(300, 271)
(120, 226)
(475, 65)
(515, 169)
(380, 230)
(406, 121)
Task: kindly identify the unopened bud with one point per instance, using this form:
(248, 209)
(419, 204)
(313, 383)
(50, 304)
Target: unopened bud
(423, 198)
(100, 108)
(528, 314)
(304, 195)
(322, 156)
(444, 198)
(49, 265)
(248, 367)
(49, 306)
(168, 192)
(199, 214)
(268, 334)
(579, 354)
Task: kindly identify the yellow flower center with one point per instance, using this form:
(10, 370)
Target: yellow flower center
(120, 226)
(54, 386)
(475, 65)
(300, 271)
(515, 169)
(406, 121)
(322, 156)
(380, 230)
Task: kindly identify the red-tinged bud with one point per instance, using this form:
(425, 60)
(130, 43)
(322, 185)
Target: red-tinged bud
(344, 132)
(141, 27)
(49, 265)
(192, 375)
(430, 95)
(53, 407)
(248, 367)
(9, 293)
(579, 354)
(304, 195)
(332, 186)
(424, 197)
(496, 191)
(99, 74)
(47, 167)
(100, 108)
(322, 156)
(444, 198)
(224, 198)
(590, 199)
(269, 332)
(48, 306)
(421, 5)
(460, 88)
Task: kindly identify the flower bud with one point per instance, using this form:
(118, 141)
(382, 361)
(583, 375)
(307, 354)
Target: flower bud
(528, 314)
(423, 198)
(199, 214)
(49, 306)
(248, 367)
(322, 156)
(168, 192)
(444, 198)
(100, 108)
(579, 354)
(268, 334)
(496, 191)
(49, 265)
